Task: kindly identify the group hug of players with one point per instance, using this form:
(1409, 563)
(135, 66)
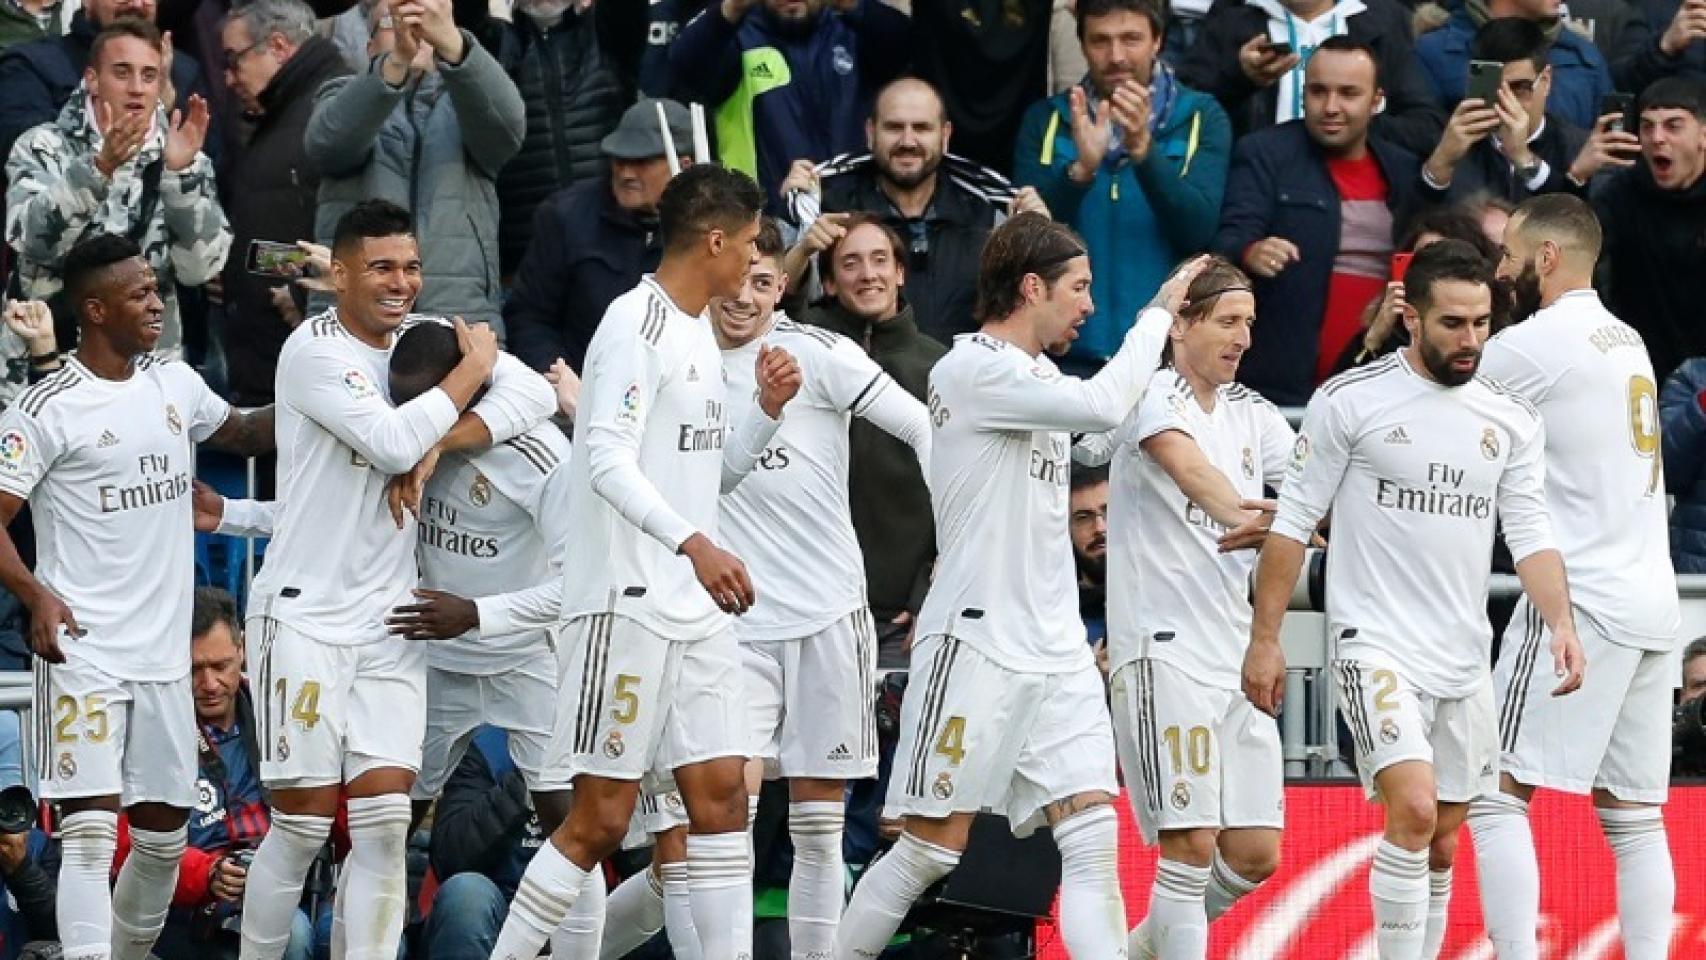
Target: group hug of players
(582, 600)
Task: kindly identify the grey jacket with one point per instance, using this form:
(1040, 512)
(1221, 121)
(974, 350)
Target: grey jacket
(433, 145)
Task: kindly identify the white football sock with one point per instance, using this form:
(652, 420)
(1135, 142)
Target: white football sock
(719, 880)
(88, 840)
(377, 876)
(1509, 874)
(632, 915)
(578, 936)
(1439, 912)
(1646, 880)
(1398, 884)
(886, 893)
(274, 885)
(1225, 888)
(144, 890)
(678, 912)
(1092, 910)
(819, 877)
(1178, 919)
(548, 890)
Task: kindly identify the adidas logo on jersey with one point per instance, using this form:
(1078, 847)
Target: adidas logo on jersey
(1398, 436)
(692, 373)
(761, 71)
(840, 752)
(107, 440)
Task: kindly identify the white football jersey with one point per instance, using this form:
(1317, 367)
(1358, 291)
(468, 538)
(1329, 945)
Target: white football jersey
(1000, 463)
(106, 466)
(650, 456)
(490, 522)
(1589, 375)
(1172, 595)
(337, 564)
(1416, 475)
(789, 520)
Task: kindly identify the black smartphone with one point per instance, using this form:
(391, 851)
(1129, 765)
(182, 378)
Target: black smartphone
(1623, 105)
(1278, 49)
(1485, 78)
(268, 258)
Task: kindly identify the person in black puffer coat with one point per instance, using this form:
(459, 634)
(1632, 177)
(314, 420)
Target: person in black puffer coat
(562, 57)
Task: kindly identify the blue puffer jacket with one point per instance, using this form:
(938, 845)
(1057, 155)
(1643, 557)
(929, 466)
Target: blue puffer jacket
(1682, 424)
(1138, 219)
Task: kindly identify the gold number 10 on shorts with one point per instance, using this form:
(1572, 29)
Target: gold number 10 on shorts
(1192, 745)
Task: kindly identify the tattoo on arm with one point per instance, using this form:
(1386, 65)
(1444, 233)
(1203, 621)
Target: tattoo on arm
(245, 434)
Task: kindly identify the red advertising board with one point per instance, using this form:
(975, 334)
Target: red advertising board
(1316, 906)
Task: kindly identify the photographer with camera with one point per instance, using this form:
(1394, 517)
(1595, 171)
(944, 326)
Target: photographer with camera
(28, 858)
(230, 815)
(1688, 722)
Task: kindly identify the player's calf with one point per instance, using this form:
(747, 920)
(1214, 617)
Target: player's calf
(927, 851)
(89, 837)
(1092, 910)
(143, 894)
(816, 819)
(1398, 882)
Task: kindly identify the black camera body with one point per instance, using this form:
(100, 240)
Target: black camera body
(1688, 739)
(17, 809)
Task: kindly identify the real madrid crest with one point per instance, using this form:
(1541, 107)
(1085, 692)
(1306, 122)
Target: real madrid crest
(943, 788)
(1249, 464)
(174, 423)
(480, 492)
(1388, 731)
(613, 745)
(283, 750)
(1181, 795)
(67, 767)
(1489, 444)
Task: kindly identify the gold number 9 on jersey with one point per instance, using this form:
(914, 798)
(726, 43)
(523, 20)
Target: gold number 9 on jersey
(1644, 424)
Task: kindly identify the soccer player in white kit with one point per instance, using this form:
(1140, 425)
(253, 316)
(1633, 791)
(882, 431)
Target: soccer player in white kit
(809, 646)
(1205, 767)
(104, 451)
(1589, 375)
(647, 646)
(339, 702)
(1005, 709)
(1417, 457)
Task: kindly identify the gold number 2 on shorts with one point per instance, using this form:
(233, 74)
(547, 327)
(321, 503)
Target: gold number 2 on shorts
(1194, 743)
(1385, 690)
(93, 712)
(305, 710)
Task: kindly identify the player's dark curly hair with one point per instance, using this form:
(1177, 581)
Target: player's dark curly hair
(369, 219)
(1445, 261)
(87, 263)
(706, 197)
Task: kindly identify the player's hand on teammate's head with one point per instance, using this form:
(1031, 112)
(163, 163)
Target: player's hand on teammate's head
(1569, 663)
(721, 573)
(778, 379)
(1171, 296)
(47, 614)
(479, 344)
(208, 506)
(435, 616)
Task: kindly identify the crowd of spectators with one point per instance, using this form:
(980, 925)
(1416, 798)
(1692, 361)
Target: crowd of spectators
(1306, 140)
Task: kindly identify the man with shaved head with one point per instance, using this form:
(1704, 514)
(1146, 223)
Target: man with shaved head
(941, 205)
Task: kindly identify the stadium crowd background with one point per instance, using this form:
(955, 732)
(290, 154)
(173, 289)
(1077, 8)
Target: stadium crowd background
(890, 138)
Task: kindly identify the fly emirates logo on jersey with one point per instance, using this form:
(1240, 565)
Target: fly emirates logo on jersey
(438, 530)
(697, 438)
(1443, 495)
(1053, 466)
(159, 484)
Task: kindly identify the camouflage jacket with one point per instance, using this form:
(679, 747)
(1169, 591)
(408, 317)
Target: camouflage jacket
(55, 197)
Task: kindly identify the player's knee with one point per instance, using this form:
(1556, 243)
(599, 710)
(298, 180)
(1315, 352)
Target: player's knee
(1195, 847)
(1255, 862)
(719, 809)
(1410, 818)
(1442, 852)
(598, 828)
